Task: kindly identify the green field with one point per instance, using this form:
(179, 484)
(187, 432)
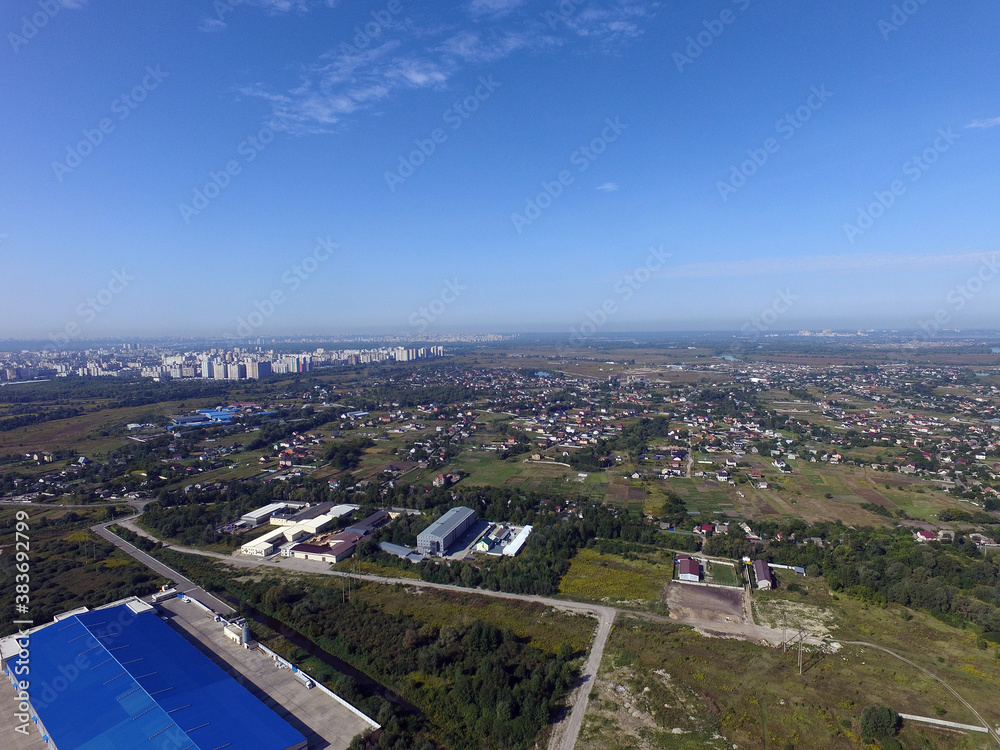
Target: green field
(487, 469)
(84, 433)
(70, 566)
(724, 575)
(612, 579)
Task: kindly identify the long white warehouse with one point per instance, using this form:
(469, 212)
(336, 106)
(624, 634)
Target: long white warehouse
(517, 542)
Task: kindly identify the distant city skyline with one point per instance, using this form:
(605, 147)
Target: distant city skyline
(267, 168)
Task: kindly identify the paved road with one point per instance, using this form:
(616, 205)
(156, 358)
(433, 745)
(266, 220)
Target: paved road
(182, 584)
(51, 506)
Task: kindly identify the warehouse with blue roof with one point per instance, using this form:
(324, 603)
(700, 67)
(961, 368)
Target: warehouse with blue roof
(121, 678)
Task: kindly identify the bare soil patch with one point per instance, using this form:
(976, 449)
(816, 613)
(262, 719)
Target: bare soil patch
(689, 601)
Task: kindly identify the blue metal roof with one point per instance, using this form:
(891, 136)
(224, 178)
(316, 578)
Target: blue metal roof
(112, 678)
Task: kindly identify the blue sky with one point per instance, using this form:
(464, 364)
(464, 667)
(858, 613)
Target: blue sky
(587, 166)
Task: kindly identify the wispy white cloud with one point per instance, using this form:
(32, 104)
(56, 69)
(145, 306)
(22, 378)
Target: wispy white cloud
(989, 123)
(284, 6)
(610, 23)
(493, 7)
(341, 83)
(414, 56)
(609, 187)
(475, 47)
(210, 25)
(823, 264)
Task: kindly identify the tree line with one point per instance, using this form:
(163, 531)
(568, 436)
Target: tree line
(477, 685)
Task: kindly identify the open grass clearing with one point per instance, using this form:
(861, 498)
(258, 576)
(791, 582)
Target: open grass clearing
(612, 579)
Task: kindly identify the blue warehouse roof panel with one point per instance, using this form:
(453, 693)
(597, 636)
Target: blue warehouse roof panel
(114, 678)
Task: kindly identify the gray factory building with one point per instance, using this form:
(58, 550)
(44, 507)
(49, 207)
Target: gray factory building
(436, 538)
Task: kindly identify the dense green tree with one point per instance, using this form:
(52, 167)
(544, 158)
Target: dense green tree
(878, 723)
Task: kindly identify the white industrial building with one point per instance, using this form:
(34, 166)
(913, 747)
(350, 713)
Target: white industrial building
(324, 509)
(269, 543)
(437, 537)
(264, 545)
(515, 545)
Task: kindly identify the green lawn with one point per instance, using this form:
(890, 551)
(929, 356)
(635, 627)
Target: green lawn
(723, 574)
(594, 576)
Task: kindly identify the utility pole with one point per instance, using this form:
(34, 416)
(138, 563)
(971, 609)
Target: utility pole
(801, 639)
(784, 625)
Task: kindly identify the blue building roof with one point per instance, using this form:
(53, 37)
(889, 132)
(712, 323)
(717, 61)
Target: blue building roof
(112, 678)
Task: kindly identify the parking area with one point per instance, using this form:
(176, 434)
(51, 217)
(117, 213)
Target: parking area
(324, 721)
(461, 548)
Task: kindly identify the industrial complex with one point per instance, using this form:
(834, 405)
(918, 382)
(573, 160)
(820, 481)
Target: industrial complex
(315, 532)
(295, 523)
(119, 677)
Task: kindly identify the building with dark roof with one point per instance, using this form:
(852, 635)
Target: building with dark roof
(368, 525)
(436, 538)
(404, 553)
(337, 548)
(688, 569)
(301, 514)
(762, 572)
(121, 678)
